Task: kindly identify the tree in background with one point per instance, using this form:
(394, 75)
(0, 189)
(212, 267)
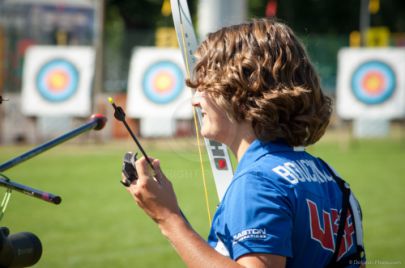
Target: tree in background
(323, 25)
(332, 16)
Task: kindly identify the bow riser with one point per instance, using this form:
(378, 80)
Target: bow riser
(218, 155)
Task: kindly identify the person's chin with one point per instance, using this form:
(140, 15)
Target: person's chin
(206, 134)
(210, 136)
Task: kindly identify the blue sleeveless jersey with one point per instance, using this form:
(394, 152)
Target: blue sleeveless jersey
(281, 201)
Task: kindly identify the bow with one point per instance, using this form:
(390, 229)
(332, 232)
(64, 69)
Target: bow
(217, 152)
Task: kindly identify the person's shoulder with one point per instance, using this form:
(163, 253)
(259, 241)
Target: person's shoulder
(261, 175)
(297, 168)
(268, 166)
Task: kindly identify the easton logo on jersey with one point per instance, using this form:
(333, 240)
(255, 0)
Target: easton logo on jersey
(324, 230)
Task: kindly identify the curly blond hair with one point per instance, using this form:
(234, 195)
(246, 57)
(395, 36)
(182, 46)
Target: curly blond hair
(260, 72)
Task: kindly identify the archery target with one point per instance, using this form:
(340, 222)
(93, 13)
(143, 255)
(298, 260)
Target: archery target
(373, 82)
(370, 83)
(163, 82)
(57, 80)
(156, 86)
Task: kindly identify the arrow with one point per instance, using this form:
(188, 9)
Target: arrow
(119, 114)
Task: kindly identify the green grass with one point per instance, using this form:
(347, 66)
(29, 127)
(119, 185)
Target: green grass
(98, 225)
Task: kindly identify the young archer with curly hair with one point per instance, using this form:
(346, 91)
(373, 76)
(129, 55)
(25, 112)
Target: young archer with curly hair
(260, 95)
(260, 73)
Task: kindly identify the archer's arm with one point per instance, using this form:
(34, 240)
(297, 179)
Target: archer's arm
(158, 200)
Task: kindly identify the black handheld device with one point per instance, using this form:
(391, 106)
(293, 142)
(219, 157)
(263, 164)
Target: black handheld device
(128, 169)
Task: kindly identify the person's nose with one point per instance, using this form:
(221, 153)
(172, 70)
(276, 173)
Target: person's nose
(196, 99)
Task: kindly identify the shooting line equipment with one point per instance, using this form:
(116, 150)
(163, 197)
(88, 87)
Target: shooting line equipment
(218, 155)
(96, 122)
(129, 159)
(48, 197)
(24, 249)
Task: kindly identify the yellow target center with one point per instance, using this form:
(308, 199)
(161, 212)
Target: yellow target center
(163, 82)
(57, 81)
(374, 82)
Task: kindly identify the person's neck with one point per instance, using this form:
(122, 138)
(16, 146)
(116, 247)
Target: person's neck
(242, 140)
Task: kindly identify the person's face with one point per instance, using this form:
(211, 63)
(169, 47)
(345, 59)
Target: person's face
(215, 123)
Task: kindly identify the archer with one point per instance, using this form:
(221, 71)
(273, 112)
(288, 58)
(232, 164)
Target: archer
(260, 95)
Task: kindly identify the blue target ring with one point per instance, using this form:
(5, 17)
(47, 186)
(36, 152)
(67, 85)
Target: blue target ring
(57, 80)
(373, 82)
(163, 82)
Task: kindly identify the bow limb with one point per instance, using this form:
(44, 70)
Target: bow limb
(218, 155)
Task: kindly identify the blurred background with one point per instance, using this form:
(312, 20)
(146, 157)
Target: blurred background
(113, 29)
(61, 60)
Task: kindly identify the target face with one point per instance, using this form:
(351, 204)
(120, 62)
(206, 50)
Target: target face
(373, 82)
(57, 80)
(163, 82)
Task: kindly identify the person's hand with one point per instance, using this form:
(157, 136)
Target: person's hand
(153, 192)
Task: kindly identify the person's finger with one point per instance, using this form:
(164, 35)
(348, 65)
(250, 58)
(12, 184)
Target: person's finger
(142, 168)
(161, 177)
(126, 181)
(156, 168)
